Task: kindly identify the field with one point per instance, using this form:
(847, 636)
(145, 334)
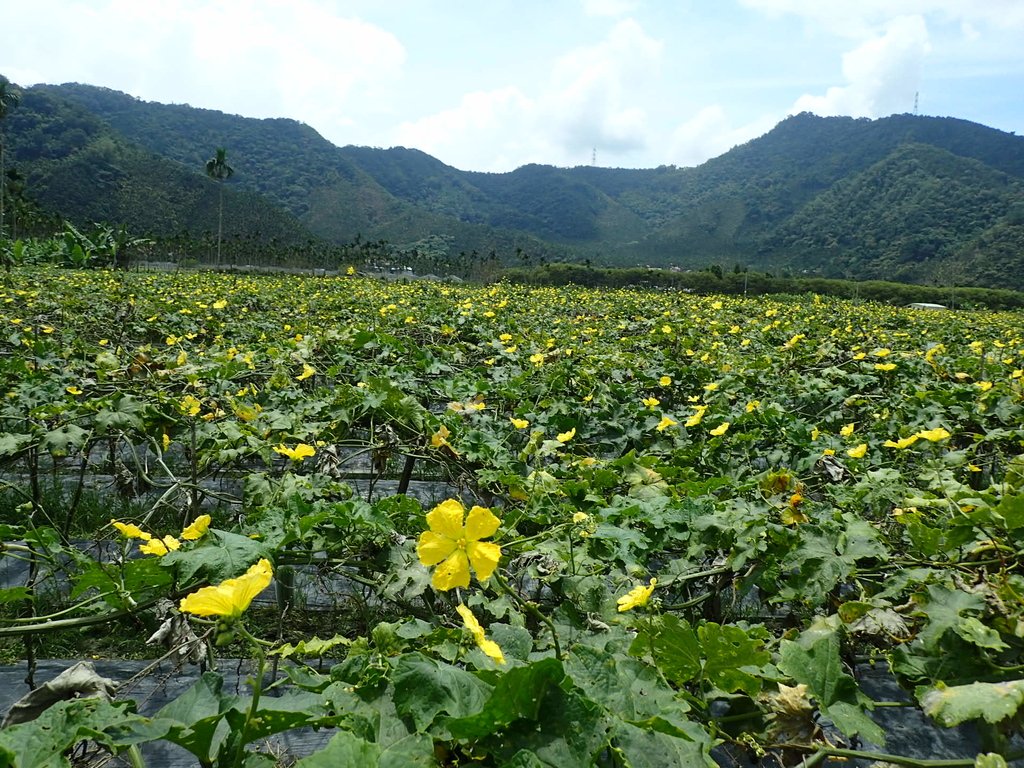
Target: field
(647, 525)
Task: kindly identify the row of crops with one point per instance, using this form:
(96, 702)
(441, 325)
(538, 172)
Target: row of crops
(658, 528)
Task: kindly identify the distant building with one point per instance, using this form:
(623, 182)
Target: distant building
(925, 305)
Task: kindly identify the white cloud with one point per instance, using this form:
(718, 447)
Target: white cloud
(587, 102)
(856, 19)
(259, 58)
(882, 74)
(609, 7)
(710, 133)
(487, 131)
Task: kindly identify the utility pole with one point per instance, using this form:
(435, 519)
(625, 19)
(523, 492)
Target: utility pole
(593, 157)
(916, 94)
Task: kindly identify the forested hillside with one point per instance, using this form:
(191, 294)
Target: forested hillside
(923, 199)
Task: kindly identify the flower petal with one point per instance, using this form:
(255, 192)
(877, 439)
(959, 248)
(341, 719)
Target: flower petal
(208, 601)
(484, 555)
(453, 572)
(481, 523)
(197, 529)
(446, 519)
(434, 547)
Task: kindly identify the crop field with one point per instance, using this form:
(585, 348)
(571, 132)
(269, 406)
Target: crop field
(501, 525)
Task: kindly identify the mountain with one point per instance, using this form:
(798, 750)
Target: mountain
(923, 199)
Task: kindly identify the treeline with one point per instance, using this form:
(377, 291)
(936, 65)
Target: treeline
(739, 282)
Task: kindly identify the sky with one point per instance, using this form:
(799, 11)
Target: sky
(491, 85)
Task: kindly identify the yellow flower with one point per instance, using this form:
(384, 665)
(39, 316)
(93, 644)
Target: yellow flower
(665, 423)
(231, 597)
(350, 271)
(457, 546)
(298, 453)
(753, 405)
(815, 432)
(885, 366)
(858, 452)
(166, 440)
(721, 429)
(984, 386)
(489, 647)
(537, 358)
(519, 423)
(160, 547)
(665, 381)
(131, 531)
(695, 419)
(565, 437)
(903, 442)
(933, 435)
(191, 405)
(197, 529)
(651, 402)
(883, 352)
(580, 517)
(440, 439)
(73, 390)
(637, 596)
(847, 430)
(307, 371)
(220, 304)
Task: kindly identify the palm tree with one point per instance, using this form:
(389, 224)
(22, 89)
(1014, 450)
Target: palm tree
(217, 168)
(9, 98)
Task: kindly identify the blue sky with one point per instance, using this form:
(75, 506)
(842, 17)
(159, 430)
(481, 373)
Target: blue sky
(494, 84)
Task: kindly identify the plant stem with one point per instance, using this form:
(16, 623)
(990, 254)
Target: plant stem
(531, 609)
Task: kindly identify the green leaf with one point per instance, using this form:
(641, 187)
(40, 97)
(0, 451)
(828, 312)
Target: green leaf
(198, 714)
(42, 742)
(344, 748)
(221, 555)
(517, 694)
(990, 760)
(425, 688)
(66, 436)
(943, 608)
(813, 659)
(11, 443)
(728, 649)
(312, 647)
(643, 748)
(952, 705)
(674, 647)
(627, 687)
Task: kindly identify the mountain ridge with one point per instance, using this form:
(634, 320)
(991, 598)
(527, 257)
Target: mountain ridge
(768, 203)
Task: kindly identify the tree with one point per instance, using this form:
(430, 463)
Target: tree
(217, 168)
(9, 98)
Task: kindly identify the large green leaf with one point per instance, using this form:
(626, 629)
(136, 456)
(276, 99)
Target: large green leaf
(673, 645)
(813, 659)
(41, 743)
(517, 694)
(344, 749)
(425, 688)
(952, 705)
(731, 658)
(646, 748)
(221, 555)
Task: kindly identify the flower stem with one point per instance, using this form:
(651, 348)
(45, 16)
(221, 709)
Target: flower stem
(531, 608)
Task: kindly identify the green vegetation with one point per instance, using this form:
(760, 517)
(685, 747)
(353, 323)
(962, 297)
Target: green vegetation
(934, 201)
(659, 524)
(742, 281)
